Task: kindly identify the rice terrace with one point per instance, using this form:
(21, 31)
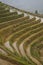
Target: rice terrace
(21, 37)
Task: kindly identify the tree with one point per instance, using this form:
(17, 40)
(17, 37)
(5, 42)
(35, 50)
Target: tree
(36, 12)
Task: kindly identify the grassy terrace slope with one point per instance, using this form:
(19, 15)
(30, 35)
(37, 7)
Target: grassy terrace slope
(21, 37)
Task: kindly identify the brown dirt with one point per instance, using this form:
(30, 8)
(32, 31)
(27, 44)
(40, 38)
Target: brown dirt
(3, 62)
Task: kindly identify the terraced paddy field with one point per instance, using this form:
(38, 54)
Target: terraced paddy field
(21, 37)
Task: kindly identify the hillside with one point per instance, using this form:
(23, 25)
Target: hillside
(21, 37)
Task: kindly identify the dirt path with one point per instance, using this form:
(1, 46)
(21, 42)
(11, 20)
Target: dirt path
(3, 62)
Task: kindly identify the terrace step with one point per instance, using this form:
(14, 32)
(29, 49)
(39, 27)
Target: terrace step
(29, 52)
(13, 22)
(8, 14)
(8, 18)
(19, 36)
(37, 48)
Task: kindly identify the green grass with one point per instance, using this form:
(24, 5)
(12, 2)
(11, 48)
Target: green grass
(27, 35)
(26, 28)
(15, 22)
(7, 14)
(8, 18)
(4, 11)
(35, 48)
(16, 57)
